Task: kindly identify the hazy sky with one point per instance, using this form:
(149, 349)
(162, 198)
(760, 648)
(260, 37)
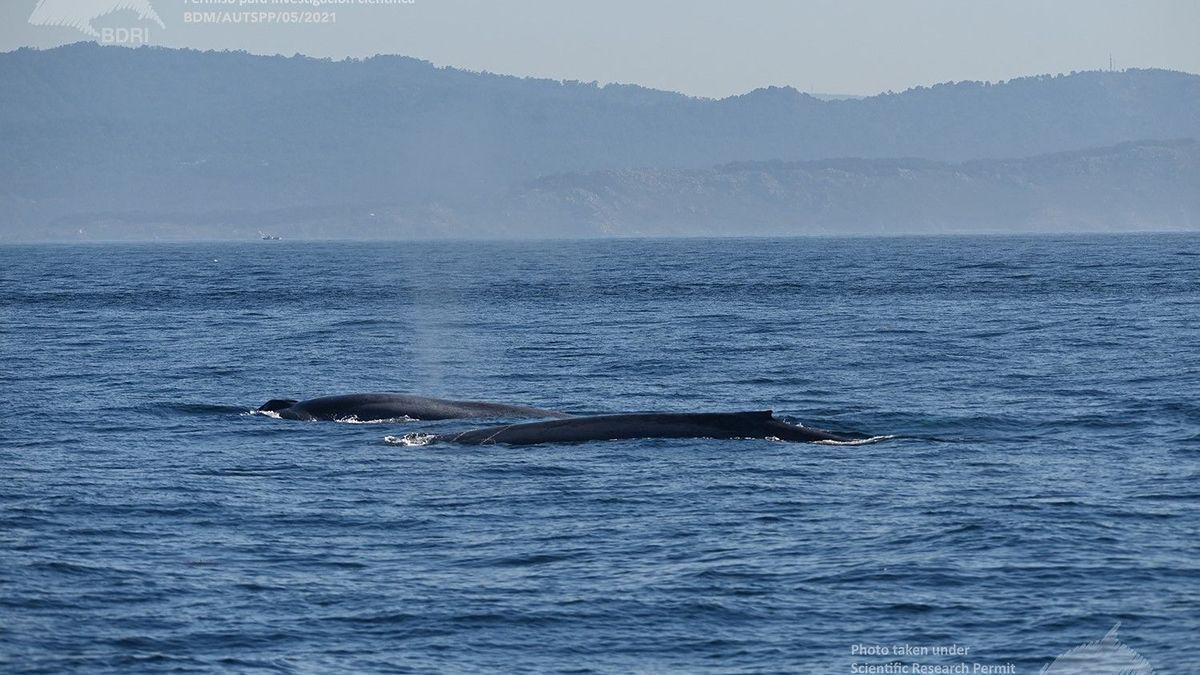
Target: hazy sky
(700, 47)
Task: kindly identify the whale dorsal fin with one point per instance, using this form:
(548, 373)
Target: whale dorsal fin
(276, 404)
(759, 414)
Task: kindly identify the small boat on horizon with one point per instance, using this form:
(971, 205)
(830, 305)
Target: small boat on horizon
(269, 237)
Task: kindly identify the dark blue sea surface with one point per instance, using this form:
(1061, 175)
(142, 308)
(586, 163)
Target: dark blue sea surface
(1043, 486)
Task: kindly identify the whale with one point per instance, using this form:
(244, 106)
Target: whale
(380, 407)
(754, 424)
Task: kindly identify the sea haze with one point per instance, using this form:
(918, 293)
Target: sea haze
(105, 143)
(1042, 487)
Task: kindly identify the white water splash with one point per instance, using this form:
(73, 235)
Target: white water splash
(352, 419)
(414, 439)
(858, 441)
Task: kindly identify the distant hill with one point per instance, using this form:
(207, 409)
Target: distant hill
(152, 134)
(1132, 186)
(1128, 187)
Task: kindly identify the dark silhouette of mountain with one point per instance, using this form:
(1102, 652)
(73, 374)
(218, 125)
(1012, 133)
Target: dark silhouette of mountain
(92, 133)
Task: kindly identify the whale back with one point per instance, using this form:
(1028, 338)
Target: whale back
(750, 424)
(386, 406)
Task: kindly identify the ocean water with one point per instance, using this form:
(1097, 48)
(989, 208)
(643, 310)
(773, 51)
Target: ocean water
(1044, 484)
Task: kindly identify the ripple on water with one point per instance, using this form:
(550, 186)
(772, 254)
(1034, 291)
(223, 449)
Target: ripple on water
(1039, 486)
